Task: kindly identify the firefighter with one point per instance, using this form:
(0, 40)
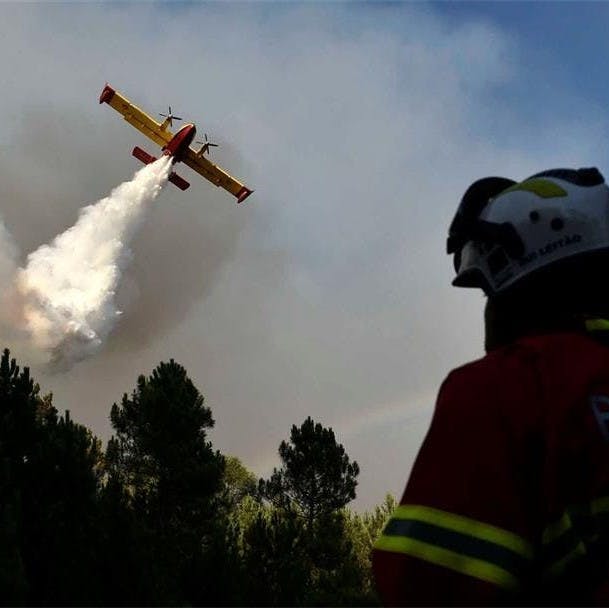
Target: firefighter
(508, 499)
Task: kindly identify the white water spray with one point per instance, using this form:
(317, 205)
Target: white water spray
(63, 300)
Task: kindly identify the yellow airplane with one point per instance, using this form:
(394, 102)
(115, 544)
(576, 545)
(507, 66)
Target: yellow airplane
(176, 146)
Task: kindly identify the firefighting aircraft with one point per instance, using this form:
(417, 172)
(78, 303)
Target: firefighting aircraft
(176, 146)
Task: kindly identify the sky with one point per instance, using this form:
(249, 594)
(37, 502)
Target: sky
(359, 125)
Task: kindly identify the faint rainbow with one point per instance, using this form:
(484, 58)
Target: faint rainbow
(410, 411)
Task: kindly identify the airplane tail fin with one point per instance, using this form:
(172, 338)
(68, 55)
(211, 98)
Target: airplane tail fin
(178, 181)
(143, 156)
(146, 158)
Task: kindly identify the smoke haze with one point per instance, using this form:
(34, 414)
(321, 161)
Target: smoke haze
(327, 294)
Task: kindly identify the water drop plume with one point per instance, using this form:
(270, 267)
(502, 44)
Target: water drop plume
(63, 299)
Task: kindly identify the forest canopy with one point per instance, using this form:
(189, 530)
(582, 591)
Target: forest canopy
(160, 518)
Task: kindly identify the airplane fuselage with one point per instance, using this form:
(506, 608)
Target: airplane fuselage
(179, 143)
(176, 147)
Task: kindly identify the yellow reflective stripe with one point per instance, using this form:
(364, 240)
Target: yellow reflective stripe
(449, 559)
(556, 529)
(563, 525)
(467, 526)
(597, 324)
(559, 566)
(540, 187)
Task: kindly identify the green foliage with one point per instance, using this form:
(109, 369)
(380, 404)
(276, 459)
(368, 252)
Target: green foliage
(18, 435)
(239, 482)
(275, 559)
(48, 481)
(13, 580)
(317, 477)
(171, 475)
(308, 496)
(160, 448)
(363, 530)
(161, 519)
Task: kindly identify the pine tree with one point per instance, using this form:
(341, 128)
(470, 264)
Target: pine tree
(161, 456)
(239, 482)
(308, 493)
(317, 477)
(48, 483)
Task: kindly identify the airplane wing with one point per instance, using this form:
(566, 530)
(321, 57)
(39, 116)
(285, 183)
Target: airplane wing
(215, 175)
(136, 117)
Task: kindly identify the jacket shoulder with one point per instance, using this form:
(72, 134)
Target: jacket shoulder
(522, 376)
(509, 370)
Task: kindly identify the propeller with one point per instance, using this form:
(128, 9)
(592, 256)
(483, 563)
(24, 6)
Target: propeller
(205, 145)
(171, 117)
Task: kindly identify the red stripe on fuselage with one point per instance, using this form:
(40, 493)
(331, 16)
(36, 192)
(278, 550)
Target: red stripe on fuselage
(180, 142)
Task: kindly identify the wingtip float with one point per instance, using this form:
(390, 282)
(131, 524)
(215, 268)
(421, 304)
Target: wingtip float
(177, 145)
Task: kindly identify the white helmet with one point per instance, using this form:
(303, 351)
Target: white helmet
(504, 231)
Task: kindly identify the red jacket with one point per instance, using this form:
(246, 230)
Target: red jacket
(508, 500)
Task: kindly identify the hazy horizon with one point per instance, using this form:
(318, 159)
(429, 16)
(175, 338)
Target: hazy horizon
(359, 126)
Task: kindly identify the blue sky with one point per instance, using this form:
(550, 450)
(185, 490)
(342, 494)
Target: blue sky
(359, 125)
(563, 45)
